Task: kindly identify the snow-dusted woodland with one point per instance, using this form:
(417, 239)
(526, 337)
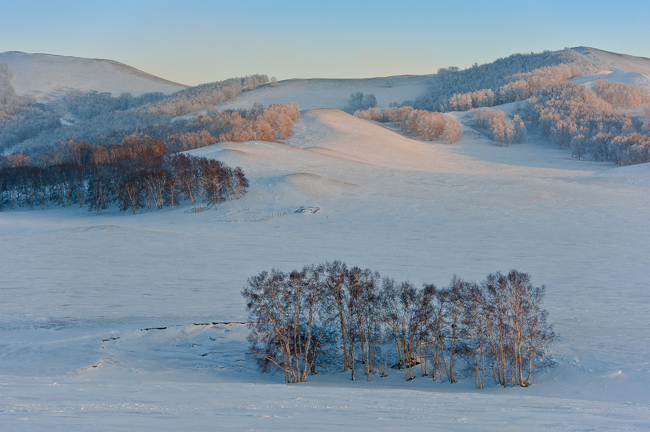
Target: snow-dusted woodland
(126, 321)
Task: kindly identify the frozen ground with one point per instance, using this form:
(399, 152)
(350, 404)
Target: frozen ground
(98, 313)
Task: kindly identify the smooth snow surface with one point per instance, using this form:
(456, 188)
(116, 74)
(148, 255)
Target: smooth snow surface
(615, 76)
(623, 62)
(99, 314)
(334, 93)
(41, 75)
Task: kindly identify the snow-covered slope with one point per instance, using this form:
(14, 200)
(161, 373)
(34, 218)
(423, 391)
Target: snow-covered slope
(41, 74)
(98, 314)
(623, 62)
(615, 76)
(334, 93)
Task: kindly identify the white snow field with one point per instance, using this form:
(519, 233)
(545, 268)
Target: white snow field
(334, 93)
(99, 314)
(41, 75)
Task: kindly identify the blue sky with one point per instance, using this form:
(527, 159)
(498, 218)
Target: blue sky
(201, 41)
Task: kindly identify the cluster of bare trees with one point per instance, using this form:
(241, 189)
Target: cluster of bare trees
(422, 124)
(137, 174)
(257, 123)
(330, 315)
(593, 122)
(621, 95)
(206, 96)
(500, 128)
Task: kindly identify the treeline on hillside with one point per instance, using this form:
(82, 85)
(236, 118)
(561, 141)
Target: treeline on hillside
(504, 80)
(101, 118)
(9, 100)
(499, 127)
(256, 123)
(521, 86)
(422, 124)
(86, 105)
(593, 122)
(331, 316)
(207, 96)
(133, 175)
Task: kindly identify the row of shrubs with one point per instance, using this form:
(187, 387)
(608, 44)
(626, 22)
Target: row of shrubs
(426, 125)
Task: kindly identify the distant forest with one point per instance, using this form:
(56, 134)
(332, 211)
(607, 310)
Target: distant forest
(605, 122)
(101, 118)
(504, 80)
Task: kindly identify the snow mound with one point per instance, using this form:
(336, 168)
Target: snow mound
(635, 175)
(338, 134)
(41, 75)
(331, 143)
(317, 185)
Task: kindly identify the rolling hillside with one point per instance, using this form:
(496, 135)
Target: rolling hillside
(126, 322)
(40, 75)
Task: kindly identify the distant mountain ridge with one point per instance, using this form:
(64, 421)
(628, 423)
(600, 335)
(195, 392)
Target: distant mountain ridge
(41, 75)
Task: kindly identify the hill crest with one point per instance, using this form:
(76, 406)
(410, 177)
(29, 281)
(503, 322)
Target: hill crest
(42, 75)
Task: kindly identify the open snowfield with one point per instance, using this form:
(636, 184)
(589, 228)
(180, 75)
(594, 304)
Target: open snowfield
(99, 314)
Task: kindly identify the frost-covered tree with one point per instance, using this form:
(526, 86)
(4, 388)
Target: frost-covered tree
(500, 128)
(578, 118)
(288, 321)
(334, 315)
(359, 102)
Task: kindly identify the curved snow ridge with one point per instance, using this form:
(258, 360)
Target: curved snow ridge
(318, 185)
(635, 175)
(338, 134)
(615, 76)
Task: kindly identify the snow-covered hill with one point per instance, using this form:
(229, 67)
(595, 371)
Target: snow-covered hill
(623, 62)
(335, 93)
(98, 313)
(134, 322)
(42, 74)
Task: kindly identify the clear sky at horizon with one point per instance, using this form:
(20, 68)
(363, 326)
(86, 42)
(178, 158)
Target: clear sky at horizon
(199, 41)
